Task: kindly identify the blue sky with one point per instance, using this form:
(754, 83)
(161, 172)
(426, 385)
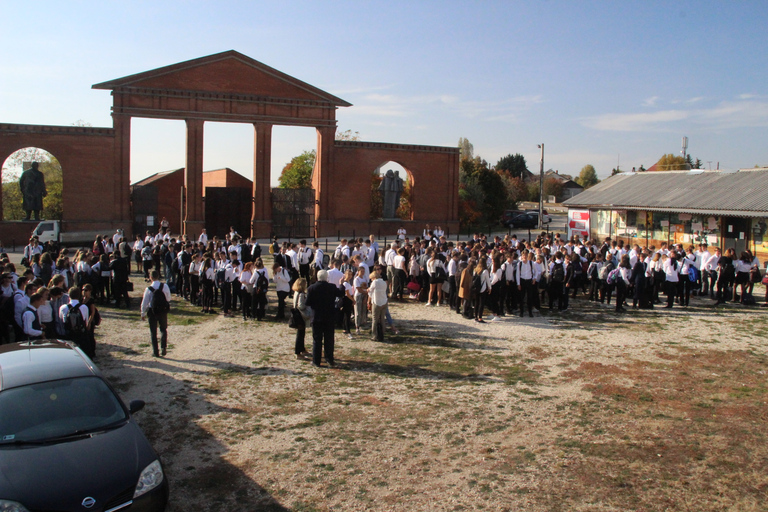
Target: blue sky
(599, 83)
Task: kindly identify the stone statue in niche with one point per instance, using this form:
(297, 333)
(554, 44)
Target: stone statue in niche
(391, 188)
(32, 185)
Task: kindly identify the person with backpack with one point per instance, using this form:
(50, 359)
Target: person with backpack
(593, 273)
(74, 316)
(260, 281)
(557, 273)
(154, 307)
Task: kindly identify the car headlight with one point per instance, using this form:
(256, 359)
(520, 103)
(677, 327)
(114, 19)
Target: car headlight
(12, 506)
(151, 477)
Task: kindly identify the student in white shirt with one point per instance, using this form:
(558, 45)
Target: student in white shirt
(360, 284)
(526, 282)
(282, 280)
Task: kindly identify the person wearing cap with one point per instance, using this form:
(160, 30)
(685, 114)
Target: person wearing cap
(321, 297)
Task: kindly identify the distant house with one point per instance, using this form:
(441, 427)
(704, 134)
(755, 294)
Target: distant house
(159, 195)
(570, 187)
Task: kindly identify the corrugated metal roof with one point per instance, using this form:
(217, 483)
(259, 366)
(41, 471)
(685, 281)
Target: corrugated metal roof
(743, 193)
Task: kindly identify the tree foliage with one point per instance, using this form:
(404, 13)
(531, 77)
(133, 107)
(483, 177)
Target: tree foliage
(552, 187)
(298, 172)
(347, 135)
(670, 162)
(467, 150)
(513, 165)
(587, 177)
(52, 172)
(494, 198)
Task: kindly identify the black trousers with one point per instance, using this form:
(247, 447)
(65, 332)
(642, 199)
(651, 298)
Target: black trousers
(299, 344)
(671, 292)
(304, 271)
(194, 283)
(281, 305)
(156, 321)
(226, 297)
(322, 337)
(245, 299)
(479, 300)
(528, 295)
(512, 296)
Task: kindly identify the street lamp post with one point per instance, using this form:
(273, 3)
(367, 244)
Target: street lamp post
(541, 188)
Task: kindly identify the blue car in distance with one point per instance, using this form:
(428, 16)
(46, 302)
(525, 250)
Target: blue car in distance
(67, 441)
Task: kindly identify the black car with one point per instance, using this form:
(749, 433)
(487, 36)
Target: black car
(523, 220)
(67, 441)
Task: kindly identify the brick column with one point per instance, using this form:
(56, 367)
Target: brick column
(194, 214)
(321, 180)
(261, 217)
(122, 186)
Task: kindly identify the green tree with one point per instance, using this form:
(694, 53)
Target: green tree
(670, 162)
(513, 165)
(467, 150)
(298, 172)
(587, 177)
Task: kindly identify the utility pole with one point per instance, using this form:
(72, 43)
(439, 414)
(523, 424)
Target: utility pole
(541, 188)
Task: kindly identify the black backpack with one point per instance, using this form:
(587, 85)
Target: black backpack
(262, 283)
(558, 273)
(477, 283)
(159, 301)
(73, 320)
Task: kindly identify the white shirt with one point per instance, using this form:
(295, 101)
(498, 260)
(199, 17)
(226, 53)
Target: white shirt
(335, 276)
(318, 261)
(378, 292)
(359, 282)
(670, 269)
(146, 301)
(75, 304)
(525, 270)
(282, 281)
(389, 257)
(203, 238)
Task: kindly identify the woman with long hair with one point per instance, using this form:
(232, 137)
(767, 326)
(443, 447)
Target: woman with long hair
(481, 294)
(437, 273)
(348, 302)
(300, 303)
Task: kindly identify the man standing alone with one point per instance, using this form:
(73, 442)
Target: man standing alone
(155, 306)
(321, 297)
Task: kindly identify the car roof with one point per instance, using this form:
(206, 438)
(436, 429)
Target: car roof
(40, 361)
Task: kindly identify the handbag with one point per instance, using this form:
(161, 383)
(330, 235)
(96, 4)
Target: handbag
(440, 273)
(765, 280)
(129, 286)
(296, 321)
(755, 276)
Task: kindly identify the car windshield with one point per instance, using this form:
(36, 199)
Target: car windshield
(49, 411)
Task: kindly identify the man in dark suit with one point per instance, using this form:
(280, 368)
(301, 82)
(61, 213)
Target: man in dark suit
(321, 297)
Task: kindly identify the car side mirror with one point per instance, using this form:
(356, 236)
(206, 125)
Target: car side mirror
(135, 406)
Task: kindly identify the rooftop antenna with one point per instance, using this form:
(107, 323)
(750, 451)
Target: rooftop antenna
(685, 146)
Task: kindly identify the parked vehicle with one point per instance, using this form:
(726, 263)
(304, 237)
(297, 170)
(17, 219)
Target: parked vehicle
(67, 441)
(523, 220)
(547, 218)
(51, 231)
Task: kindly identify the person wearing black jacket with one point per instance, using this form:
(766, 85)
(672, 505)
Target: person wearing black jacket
(637, 278)
(321, 297)
(120, 270)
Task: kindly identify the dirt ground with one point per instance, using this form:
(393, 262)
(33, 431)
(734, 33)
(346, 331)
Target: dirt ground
(585, 410)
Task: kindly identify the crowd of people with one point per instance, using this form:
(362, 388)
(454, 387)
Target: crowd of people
(350, 288)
